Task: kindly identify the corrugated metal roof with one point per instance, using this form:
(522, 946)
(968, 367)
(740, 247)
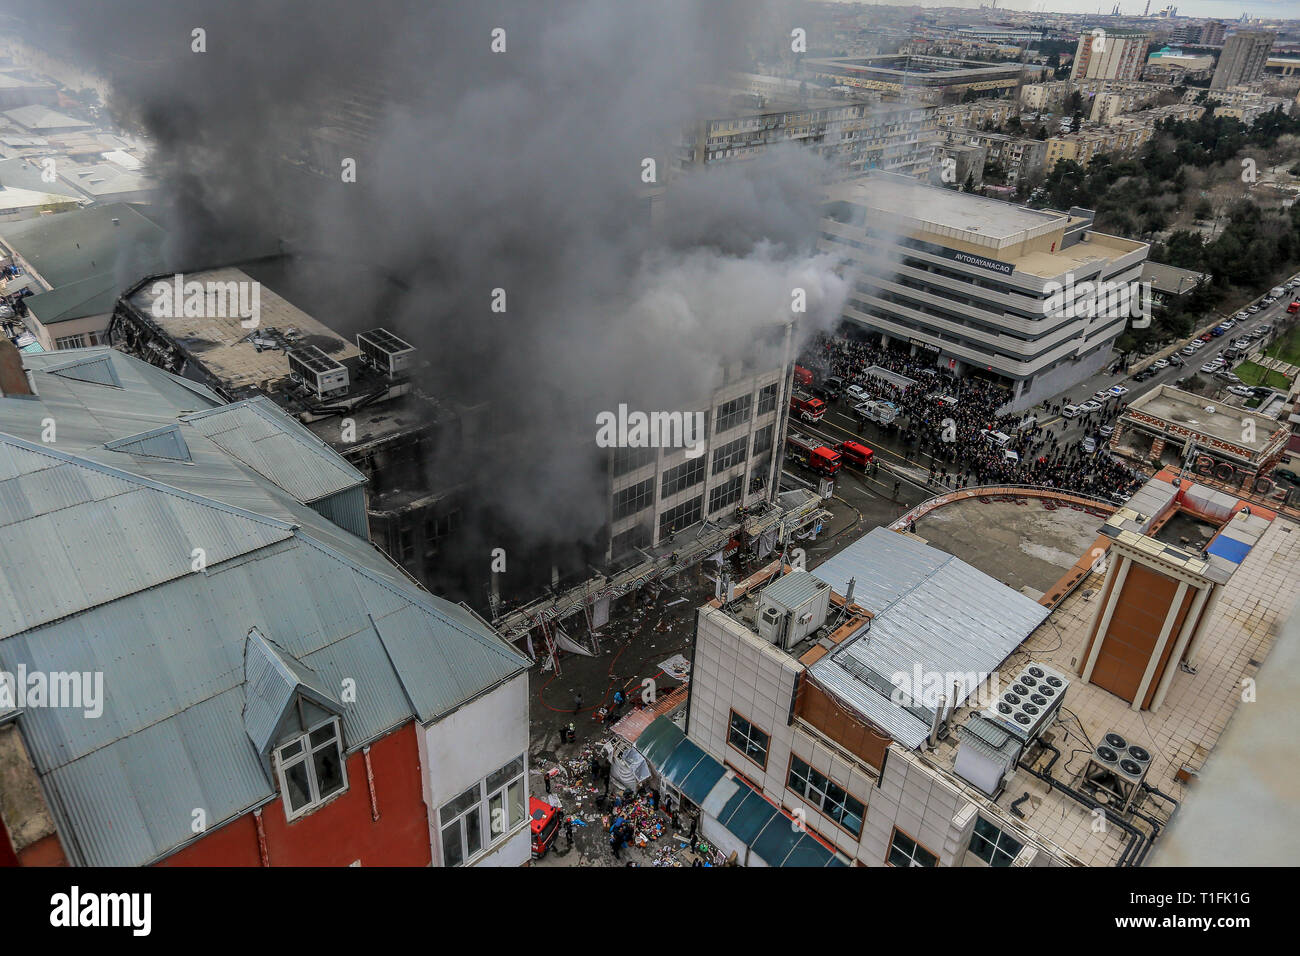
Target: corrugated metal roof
(263, 437)
(937, 619)
(97, 369)
(793, 589)
(104, 583)
(165, 442)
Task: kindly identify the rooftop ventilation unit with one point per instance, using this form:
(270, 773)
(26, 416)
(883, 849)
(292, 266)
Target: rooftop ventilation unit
(986, 754)
(792, 607)
(1029, 703)
(384, 351)
(1116, 771)
(317, 372)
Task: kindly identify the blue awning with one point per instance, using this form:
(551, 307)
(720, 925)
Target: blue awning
(768, 832)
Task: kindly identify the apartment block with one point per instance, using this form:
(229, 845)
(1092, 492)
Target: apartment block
(1244, 56)
(1104, 54)
(968, 281)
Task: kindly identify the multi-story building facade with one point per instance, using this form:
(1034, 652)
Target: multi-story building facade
(854, 135)
(1110, 55)
(1212, 33)
(870, 706)
(1243, 58)
(923, 79)
(975, 114)
(1021, 159)
(658, 492)
(969, 281)
(275, 692)
(1083, 147)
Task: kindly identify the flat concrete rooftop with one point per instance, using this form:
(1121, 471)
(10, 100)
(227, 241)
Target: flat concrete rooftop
(1207, 417)
(1026, 547)
(1243, 625)
(931, 206)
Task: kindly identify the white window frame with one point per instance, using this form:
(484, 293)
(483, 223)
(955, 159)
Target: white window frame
(306, 753)
(483, 805)
(78, 340)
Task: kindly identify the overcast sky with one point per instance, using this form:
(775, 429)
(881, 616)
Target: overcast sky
(1224, 9)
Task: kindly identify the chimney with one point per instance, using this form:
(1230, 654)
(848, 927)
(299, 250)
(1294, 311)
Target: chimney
(13, 377)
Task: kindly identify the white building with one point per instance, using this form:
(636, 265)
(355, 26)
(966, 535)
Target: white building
(981, 286)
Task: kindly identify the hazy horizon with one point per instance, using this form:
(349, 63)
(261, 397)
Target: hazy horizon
(1227, 10)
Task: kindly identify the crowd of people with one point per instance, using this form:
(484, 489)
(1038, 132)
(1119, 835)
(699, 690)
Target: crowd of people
(955, 437)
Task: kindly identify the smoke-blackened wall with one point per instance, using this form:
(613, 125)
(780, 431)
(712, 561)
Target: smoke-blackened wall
(477, 171)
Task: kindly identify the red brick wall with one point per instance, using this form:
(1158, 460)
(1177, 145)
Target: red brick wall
(341, 831)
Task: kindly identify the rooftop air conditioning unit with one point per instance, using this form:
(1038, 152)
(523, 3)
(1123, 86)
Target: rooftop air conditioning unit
(384, 351)
(1028, 704)
(317, 372)
(1115, 772)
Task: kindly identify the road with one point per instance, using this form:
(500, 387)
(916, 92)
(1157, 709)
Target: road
(898, 462)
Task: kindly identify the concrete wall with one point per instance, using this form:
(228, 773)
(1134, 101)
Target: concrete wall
(467, 745)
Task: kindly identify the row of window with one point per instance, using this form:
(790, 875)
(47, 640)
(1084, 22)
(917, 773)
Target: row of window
(728, 415)
(80, 341)
(483, 814)
(988, 842)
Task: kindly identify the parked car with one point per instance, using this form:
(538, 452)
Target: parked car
(1089, 445)
(1105, 431)
(1207, 336)
(1241, 390)
(1091, 405)
(1070, 411)
(857, 393)
(1175, 361)
(1119, 391)
(1227, 376)
(1160, 363)
(1215, 333)
(1287, 474)
(1211, 366)
(1102, 395)
(1242, 315)
(1253, 309)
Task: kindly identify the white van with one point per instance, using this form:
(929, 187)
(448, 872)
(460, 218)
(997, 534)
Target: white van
(1277, 292)
(1069, 411)
(1001, 439)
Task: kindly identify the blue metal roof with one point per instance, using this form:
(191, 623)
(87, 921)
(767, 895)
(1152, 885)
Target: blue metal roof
(99, 576)
(769, 833)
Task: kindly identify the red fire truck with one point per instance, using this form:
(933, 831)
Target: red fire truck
(807, 407)
(802, 376)
(811, 453)
(855, 453)
(1294, 307)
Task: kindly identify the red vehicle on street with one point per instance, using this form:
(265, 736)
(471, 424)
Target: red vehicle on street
(1294, 307)
(807, 407)
(802, 376)
(855, 453)
(546, 821)
(811, 453)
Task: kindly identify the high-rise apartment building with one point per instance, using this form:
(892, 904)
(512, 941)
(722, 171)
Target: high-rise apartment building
(1110, 55)
(1243, 58)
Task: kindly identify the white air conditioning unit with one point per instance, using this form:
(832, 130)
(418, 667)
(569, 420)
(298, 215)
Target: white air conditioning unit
(321, 374)
(1029, 703)
(384, 351)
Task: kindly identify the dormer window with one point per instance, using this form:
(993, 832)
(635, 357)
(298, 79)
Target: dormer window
(311, 769)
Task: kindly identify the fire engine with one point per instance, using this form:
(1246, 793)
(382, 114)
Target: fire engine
(807, 407)
(856, 453)
(802, 375)
(811, 453)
